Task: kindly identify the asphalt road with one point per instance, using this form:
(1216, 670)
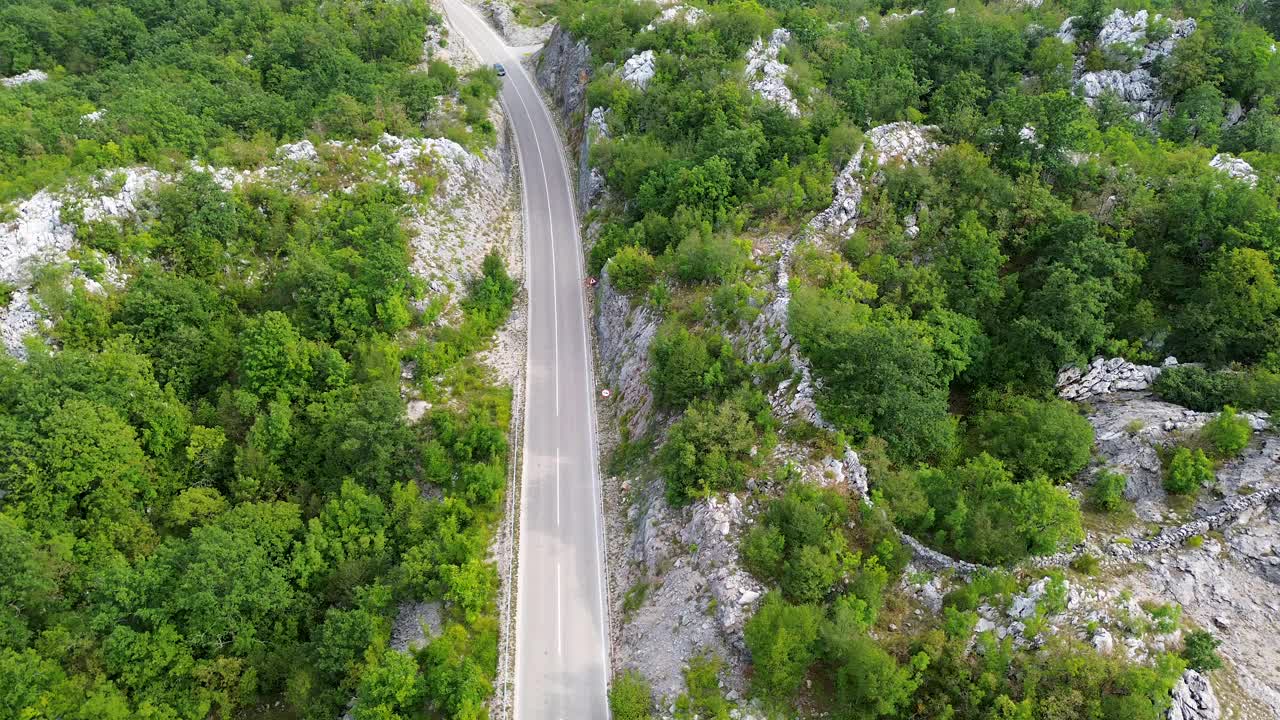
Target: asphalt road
(561, 665)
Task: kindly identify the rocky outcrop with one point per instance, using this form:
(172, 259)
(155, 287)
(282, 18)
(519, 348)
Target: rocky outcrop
(1220, 588)
(903, 143)
(1105, 376)
(1234, 167)
(563, 69)
(516, 33)
(696, 595)
(1137, 87)
(1131, 430)
(623, 335)
(686, 14)
(30, 76)
(638, 69)
(1193, 699)
(767, 75)
(42, 231)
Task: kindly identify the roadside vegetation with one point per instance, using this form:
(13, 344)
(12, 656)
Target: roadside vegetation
(1044, 232)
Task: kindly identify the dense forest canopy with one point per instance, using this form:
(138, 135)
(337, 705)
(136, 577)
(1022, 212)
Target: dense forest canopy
(212, 501)
(157, 81)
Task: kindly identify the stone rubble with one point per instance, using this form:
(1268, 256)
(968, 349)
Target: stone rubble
(698, 597)
(1234, 167)
(767, 75)
(903, 143)
(638, 70)
(1138, 87)
(30, 76)
(1105, 376)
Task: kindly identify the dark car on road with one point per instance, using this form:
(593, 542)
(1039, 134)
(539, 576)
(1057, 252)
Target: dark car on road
(497, 67)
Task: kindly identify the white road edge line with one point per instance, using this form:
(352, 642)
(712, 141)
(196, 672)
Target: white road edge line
(557, 486)
(559, 624)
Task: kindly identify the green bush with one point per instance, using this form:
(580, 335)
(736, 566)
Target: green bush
(709, 450)
(781, 639)
(1189, 470)
(632, 269)
(631, 697)
(1196, 388)
(1034, 437)
(1199, 649)
(709, 258)
(1107, 492)
(1227, 434)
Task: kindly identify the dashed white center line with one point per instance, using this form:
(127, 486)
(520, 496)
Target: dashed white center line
(559, 626)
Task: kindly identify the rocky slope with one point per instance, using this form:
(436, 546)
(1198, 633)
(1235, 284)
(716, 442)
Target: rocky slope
(1136, 86)
(1217, 559)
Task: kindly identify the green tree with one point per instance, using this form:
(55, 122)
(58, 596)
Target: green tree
(1033, 437)
(1233, 317)
(274, 357)
(781, 638)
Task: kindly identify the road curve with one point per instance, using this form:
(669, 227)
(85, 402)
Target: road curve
(561, 670)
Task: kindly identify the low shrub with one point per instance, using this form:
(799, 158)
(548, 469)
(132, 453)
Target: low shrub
(1189, 470)
(1227, 434)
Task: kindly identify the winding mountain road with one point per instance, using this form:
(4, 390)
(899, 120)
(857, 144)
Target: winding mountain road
(561, 668)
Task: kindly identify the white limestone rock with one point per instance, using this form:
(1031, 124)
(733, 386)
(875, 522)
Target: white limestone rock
(903, 143)
(1235, 168)
(1105, 376)
(638, 70)
(26, 78)
(1137, 87)
(767, 75)
(686, 14)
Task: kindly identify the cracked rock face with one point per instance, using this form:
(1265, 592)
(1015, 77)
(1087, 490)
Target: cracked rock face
(563, 70)
(1137, 87)
(767, 75)
(1234, 167)
(624, 334)
(638, 69)
(1193, 699)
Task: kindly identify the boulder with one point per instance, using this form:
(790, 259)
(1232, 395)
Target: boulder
(1234, 167)
(638, 69)
(1194, 699)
